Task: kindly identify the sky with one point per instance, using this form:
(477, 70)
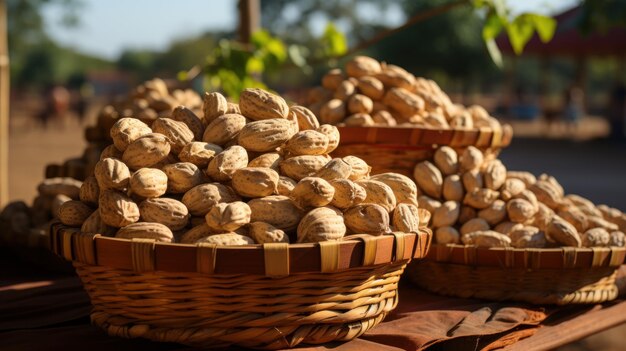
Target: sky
(108, 27)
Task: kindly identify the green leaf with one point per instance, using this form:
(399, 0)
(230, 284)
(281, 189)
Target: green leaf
(210, 82)
(230, 83)
(277, 49)
(237, 60)
(224, 46)
(333, 41)
(494, 52)
(478, 3)
(266, 44)
(499, 6)
(260, 38)
(296, 55)
(545, 26)
(520, 30)
(182, 76)
(254, 65)
(493, 26)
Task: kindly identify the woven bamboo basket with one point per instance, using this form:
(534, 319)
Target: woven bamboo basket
(540, 276)
(262, 296)
(399, 149)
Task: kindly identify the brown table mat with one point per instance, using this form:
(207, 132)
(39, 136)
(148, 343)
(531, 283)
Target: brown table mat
(45, 314)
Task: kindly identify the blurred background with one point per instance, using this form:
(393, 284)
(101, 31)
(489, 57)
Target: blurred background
(68, 57)
(565, 98)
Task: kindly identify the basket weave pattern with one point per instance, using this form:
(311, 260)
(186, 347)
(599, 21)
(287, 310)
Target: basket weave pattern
(399, 149)
(225, 309)
(389, 158)
(215, 296)
(539, 276)
(550, 286)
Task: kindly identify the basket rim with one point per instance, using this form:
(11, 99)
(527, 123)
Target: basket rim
(277, 259)
(527, 258)
(410, 137)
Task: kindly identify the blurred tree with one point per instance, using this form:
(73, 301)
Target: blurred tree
(233, 66)
(602, 15)
(26, 24)
(457, 43)
(76, 80)
(36, 60)
(184, 53)
(181, 54)
(447, 45)
(37, 65)
(138, 62)
(26, 33)
(293, 20)
(47, 63)
(297, 21)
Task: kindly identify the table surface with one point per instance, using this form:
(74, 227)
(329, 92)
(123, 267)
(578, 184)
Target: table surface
(44, 312)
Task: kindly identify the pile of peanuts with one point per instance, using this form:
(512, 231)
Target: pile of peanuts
(474, 200)
(147, 101)
(20, 222)
(371, 93)
(253, 172)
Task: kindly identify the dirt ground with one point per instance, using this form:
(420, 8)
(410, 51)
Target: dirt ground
(31, 148)
(595, 169)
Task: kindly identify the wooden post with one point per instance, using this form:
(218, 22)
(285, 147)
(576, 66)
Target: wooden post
(4, 106)
(249, 19)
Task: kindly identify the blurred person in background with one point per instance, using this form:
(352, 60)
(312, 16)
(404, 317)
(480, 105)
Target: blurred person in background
(81, 92)
(617, 111)
(57, 104)
(573, 108)
(525, 105)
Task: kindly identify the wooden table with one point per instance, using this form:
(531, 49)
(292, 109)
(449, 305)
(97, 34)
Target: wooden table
(42, 312)
(573, 324)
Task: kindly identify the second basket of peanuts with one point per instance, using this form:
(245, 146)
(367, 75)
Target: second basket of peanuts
(499, 234)
(508, 235)
(232, 225)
